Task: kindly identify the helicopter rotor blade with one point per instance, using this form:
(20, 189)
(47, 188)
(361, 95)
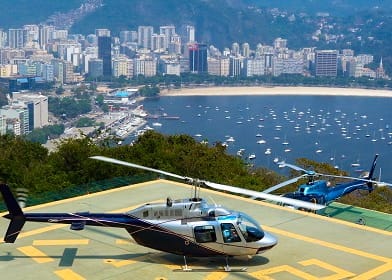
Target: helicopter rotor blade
(120, 162)
(313, 173)
(358, 179)
(283, 184)
(266, 196)
(297, 168)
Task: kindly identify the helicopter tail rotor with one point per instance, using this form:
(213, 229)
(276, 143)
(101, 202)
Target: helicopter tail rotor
(15, 214)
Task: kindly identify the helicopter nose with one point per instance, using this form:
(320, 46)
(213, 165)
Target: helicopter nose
(267, 242)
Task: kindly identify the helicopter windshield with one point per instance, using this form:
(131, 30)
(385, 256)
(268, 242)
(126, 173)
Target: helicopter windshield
(250, 229)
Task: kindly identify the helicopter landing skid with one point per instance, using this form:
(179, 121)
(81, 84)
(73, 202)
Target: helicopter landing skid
(226, 268)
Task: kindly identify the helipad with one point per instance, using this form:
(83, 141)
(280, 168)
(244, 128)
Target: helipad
(310, 246)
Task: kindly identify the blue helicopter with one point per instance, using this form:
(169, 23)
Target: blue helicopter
(319, 191)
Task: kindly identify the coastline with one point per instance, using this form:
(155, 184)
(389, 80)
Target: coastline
(275, 90)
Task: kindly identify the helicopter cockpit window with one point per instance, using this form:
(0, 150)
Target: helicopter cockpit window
(249, 228)
(204, 234)
(229, 233)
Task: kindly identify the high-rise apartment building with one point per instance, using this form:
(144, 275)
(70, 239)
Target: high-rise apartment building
(16, 38)
(168, 31)
(145, 36)
(102, 32)
(105, 53)
(190, 34)
(326, 63)
(198, 58)
(45, 35)
(3, 38)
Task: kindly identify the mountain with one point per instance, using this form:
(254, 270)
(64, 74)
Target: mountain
(218, 22)
(15, 13)
(333, 7)
(362, 25)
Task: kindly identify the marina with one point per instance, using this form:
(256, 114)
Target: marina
(321, 128)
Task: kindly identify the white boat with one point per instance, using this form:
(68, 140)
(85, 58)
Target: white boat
(252, 156)
(268, 151)
(262, 141)
(230, 139)
(287, 150)
(156, 124)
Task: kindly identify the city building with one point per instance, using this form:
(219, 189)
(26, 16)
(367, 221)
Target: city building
(45, 35)
(105, 53)
(16, 38)
(236, 66)
(37, 106)
(17, 118)
(95, 68)
(326, 63)
(198, 58)
(144, 34)
(145, 66)
(219, 66)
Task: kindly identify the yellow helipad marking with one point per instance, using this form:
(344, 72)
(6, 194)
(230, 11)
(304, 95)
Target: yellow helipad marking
(263, 274)
(329, 245)
(217, 276)
(35, 254)
(121, 263)
(164, 262)
(61, 242)
(339, 273)
(124, 241)
(68, 274)
(373, 273)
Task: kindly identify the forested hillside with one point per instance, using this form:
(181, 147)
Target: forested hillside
(15, 13)
(29, 165)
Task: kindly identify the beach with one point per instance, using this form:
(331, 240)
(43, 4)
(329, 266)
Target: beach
(278, 90)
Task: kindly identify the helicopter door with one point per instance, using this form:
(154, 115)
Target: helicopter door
(204, 234)
(229, 233)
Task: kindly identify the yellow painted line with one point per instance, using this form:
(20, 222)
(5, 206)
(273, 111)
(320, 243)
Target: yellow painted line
(373, 273)
(124, 241)
(61, 242)
(164, 262)
(339, 273)
(263, 274)
(40, 230)
(68, 274)
(217, 275)
(121, 263)
(35, 254)
(328, 244)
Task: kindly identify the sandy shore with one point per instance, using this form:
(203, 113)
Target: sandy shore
(277, 91)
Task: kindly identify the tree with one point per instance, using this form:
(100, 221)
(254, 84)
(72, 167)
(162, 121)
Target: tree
(60, 90)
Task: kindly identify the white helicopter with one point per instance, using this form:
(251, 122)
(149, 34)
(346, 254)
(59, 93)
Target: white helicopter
(189, 227)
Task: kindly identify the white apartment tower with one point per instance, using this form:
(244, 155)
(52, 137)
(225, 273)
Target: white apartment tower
(145, 36)
(190, 34)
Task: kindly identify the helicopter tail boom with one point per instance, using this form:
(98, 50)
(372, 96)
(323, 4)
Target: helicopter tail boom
(16, 215)
(371, 173)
